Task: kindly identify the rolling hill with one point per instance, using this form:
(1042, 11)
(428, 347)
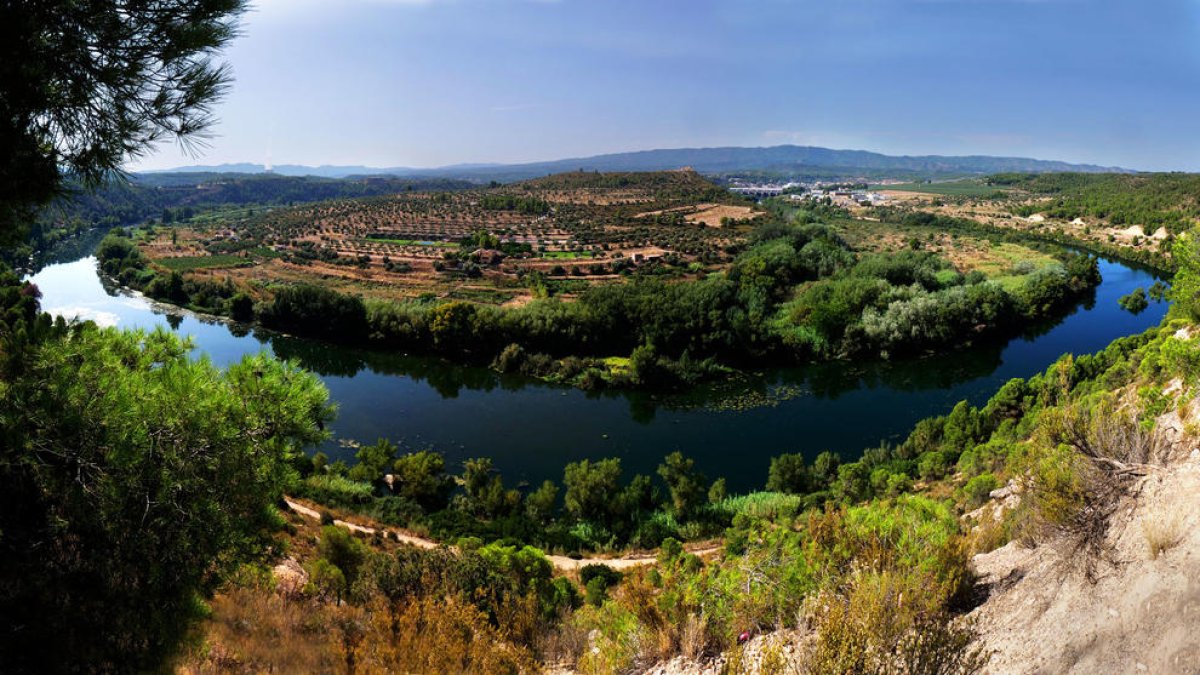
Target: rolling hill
(781, 159)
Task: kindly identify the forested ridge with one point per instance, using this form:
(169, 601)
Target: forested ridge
(1170, 200)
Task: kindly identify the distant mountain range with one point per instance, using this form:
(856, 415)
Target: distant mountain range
(781, 160)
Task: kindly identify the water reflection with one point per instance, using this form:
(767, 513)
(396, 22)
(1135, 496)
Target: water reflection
(531, 428)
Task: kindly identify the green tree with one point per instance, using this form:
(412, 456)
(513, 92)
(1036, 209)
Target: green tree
(788, 474)
(135, 480)
(328, 581)
(717, 492)
(540, 504)
(485, 492)
(343, 550)
(684, 483)
(825, 469)
(421, 477)
(591, 488)
(87, 86)
(452, 325)
(373, 461)
(854, 482)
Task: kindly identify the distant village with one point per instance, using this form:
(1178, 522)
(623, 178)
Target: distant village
(838, 193)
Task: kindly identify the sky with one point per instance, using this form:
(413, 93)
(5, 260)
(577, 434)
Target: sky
(425, 83)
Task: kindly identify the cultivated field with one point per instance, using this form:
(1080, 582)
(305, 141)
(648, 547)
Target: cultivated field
(496, 245)
(1002, 262)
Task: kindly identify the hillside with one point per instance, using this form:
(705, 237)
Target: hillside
(482, 244)
(1063, 507)
(183, 195)
(785, 159)
(1135, 217)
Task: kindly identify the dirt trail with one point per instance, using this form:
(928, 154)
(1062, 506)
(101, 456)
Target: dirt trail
(560, 562)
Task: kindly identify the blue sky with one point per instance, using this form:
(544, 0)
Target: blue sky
(435, 82)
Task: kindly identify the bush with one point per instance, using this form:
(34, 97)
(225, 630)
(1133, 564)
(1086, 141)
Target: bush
(597, 579)
(979, 488)
(1135, 302)
(890, 622)
(335, 490)
(788, 474)
(933, 465)
(316, 311)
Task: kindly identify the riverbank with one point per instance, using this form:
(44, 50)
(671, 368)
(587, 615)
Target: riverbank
(532, 429)
(798, 294)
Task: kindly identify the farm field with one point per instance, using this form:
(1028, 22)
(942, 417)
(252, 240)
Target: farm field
(1006, 262)
(963, 188)
(490, 245)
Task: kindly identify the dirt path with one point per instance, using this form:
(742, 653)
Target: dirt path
(560, 562)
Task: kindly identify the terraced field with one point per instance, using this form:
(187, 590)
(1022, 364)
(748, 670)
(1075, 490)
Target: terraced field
(481, 243)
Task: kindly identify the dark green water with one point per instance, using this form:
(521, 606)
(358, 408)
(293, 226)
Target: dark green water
(532, 429)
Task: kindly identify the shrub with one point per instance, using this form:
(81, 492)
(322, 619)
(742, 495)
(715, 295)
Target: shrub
(335, 490)
(890, 622)
(1135, 302)
(979, 488)
(788, 474)
(597, 579)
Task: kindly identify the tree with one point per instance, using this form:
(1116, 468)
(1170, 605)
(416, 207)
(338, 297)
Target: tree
(485, 493)
(452, 325)
(591, 488)
(135, 481)
(788, 474)
(540, 503)
(87, 86)
(825, 469)
(345, 552)
(717, 492)
(373, 461)
(421, 477)
(684, 483)
(241, 307)
(854, 482)
(328, 581)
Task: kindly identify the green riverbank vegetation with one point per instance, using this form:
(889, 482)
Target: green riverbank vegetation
(796, 293)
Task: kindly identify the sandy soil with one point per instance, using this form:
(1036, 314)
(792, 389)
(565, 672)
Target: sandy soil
(707, 214)
(1143, 613)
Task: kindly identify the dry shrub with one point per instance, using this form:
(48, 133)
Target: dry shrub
(438, 635)
(889, 623)
(693, 637)
(564, 645)
(1162, 532)
(991, 534)
(1089, 460)
(736, 661)
(774, 661)
(255, 630)
(614, 639)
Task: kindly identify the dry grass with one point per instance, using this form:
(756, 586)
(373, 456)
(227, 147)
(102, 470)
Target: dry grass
(888, 622)
(256, 630)
(1162, 532)
(712, 215)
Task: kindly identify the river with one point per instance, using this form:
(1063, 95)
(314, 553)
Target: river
(531, 429)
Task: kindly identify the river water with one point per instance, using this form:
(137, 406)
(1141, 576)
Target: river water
(532, 429)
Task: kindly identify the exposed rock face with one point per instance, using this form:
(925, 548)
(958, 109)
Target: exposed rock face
(290, 577)
(1142, 612)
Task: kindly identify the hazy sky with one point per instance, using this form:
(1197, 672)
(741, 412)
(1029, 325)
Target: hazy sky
(435, 82)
